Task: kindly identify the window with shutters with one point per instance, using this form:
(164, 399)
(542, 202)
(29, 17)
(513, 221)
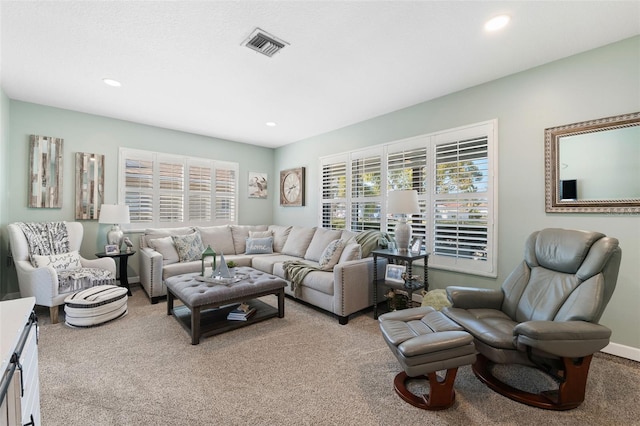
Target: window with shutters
(167, 190)
(453, 172)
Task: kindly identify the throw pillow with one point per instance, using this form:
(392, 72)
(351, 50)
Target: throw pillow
(298, 241)
(331, 255)
(165, 247)
(352, 251)
(259, 245)
(260, 234)
(189, 247)
(59, 262)
(321, 239)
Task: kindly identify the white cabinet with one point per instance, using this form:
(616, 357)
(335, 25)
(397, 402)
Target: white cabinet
(20, 385)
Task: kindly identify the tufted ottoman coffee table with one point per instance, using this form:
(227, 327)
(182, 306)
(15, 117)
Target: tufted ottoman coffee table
(425, 341)
(206, 305)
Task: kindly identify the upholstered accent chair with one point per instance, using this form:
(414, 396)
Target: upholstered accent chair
(43, 282)
(545, 315)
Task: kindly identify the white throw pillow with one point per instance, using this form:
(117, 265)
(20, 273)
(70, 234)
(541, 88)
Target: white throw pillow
(298, 241)
(59, 262)
(165, 247)
(331, 255)
(352, 251)
(321, 239)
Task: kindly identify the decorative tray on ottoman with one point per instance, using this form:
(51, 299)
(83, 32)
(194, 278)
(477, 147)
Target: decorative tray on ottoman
(221, 280)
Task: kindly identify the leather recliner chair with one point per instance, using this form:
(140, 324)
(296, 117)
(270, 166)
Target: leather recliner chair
(544, 315)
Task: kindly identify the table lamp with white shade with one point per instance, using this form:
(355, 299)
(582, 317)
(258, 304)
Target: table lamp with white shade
(116, 215)
(403, 203)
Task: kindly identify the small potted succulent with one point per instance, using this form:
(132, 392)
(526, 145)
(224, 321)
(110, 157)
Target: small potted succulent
(232, 267)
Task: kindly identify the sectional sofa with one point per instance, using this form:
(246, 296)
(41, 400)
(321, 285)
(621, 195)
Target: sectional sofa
(338, 278)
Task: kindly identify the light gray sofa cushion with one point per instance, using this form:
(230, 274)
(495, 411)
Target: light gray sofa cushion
(240, 234)
(280, 234)
(352, 251)
(298, 241)
(321, 239)
(151, 233)
(164, 246)
(218, 237)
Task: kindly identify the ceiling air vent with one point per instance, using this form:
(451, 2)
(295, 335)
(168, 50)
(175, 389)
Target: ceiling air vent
(263, 42)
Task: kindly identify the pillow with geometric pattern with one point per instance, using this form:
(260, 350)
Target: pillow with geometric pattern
(189, 247)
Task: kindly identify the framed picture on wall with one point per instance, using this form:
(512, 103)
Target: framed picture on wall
(257, 185)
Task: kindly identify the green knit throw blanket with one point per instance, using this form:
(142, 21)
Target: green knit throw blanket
(370, 240)
(295, 271)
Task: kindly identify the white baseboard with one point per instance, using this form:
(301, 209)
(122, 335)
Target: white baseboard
(623, 351)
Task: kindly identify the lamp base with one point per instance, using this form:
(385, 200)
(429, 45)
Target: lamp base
(403, 235)
(115, 236)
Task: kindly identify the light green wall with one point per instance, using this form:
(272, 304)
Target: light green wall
(599, 83)
(101, 135)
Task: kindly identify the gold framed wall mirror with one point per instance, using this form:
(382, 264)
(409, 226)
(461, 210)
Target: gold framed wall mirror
(593, 166)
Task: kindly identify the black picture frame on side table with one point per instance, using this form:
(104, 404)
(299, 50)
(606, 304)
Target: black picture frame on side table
(409, 286)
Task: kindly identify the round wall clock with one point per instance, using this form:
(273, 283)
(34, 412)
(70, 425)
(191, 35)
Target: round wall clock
(292, 187)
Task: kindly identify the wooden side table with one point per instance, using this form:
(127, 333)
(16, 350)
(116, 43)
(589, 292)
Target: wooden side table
(122, 267)
(409, 286)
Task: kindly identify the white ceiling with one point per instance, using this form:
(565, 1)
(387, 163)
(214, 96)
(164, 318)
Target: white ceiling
(182, 65)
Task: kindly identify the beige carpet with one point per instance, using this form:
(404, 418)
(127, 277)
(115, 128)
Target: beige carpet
(304, 369)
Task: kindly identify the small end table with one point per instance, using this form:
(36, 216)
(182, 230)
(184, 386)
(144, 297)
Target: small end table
(409, 286)
(122, 267)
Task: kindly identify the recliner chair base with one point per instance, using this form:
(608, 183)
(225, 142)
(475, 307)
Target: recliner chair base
(441, 393)
(569, 395)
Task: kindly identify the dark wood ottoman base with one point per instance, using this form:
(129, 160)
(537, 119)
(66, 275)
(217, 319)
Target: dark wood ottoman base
(206, 305)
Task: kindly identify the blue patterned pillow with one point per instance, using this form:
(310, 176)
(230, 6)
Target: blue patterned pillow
(331, 254)
(259, 245)
(189, 247)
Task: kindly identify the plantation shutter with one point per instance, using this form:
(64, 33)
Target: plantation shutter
(461, 206)
(171, 191)
(200, 187)
(366, 177)
(138, 188)
(226, 188)
(334, 193)
(407, 169)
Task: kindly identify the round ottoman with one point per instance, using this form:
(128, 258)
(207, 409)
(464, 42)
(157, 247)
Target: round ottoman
(95, 306)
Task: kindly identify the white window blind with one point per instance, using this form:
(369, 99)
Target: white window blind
(366, 179)
(454, 174)
(407, 169)
(334, 193)
(168, 190)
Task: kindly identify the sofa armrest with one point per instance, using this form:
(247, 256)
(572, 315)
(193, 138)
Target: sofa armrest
(151, 264)
(562, 338)
(41, 283)
(353, 286)
(107, 263)
(475, 298)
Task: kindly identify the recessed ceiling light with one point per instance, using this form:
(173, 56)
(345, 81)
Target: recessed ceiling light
(497, 23)
(111, 82)
(270, 124)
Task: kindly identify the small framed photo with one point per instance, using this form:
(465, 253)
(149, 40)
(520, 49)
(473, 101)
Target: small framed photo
(416, 245)
(111, 249)
(394, 274)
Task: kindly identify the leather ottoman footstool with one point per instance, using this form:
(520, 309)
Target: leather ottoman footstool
(425, 341)
(95, 305)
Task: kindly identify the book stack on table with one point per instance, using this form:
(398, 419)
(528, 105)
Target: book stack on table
(241, 313)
